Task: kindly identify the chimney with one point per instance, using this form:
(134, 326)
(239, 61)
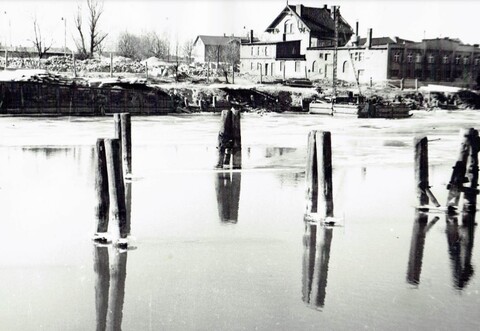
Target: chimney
(333, 12)
(298, 9)
(251, 36)
(369, 39)
(356, 28)
(324, 6)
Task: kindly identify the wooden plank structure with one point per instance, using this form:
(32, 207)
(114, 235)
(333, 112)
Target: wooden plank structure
(37, 98)
(319, 191)
(468, 152)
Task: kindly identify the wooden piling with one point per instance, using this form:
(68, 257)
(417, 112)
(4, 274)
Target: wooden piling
(126, 138)
(237, 140)
(225, 138)
(319, 174)
(101, 188)
(470, 193)
(116, 188)
(421, 169)
(458, 178)
(117, 126)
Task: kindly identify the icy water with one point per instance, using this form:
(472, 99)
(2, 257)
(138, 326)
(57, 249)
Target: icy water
(230, 250)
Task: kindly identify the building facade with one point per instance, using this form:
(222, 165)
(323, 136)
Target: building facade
(282, 51)
(216, 49)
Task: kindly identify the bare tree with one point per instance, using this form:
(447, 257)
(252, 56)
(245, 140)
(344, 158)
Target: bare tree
(231, 56)
(188, 50)
(39, 43)
(128, 45)
(95, 36)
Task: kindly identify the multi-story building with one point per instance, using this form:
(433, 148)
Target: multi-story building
(283, 47)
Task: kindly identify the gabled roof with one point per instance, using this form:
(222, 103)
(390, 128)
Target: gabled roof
(315, 19)
(216, 40)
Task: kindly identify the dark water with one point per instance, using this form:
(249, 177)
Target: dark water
(230, 250)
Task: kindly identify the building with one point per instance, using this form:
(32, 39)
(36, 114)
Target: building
(216, 49)
(31, 52)
(441, 60)
(283, 47)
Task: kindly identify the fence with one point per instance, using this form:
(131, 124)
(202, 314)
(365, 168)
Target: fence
(30, 98)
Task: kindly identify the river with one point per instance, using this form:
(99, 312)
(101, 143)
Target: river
(213, 250)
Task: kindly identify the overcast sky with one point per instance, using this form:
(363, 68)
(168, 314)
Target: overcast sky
(184, 19)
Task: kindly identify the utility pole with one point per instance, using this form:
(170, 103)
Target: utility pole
(64, 19)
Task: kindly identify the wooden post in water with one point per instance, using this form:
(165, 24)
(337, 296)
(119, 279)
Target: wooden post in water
(117, 126)
(237, 140)
(458, 178)
(101, 187)
(116, 187)
(126, 138)
(421, 169)
(225, 138)
(470, 193)
(319, 174)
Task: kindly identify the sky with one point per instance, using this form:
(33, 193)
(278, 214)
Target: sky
(185, 19)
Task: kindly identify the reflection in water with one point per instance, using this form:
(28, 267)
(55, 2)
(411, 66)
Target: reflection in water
(420, 229)
(460, 245)
(227, 187)
(109, 287)
(317, 241)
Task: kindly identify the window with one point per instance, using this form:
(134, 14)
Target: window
(288, 27)
(258, 50)
(418, 58)
(446, 60)
(297, 66)
(431, 59)
(477, 61)
(396, 58)
(251, 65)
(266, 50)
(466, 60)
(457, 59)
(320, 56)
(356, 56)
(360, 56)
(281, 66)
(251, 50)
(326, 57)
(409, 58)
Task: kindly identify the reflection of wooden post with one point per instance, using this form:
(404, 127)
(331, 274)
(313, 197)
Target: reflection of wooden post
(102, 284)
(101, 188)
(317, 244)
(116, 187)
(470, 193)
(227, 187)
(455, 186)
(126, 134)
(417, 245)
(237, 140)
(460, 240)
(118, 275)
(319, 174)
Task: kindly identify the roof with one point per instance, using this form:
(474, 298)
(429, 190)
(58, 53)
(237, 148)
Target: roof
(315, 19)
(381, 41)
(217, 40)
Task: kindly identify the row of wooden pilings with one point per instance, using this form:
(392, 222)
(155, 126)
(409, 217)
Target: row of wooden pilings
(319, 191)
(113, 167)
